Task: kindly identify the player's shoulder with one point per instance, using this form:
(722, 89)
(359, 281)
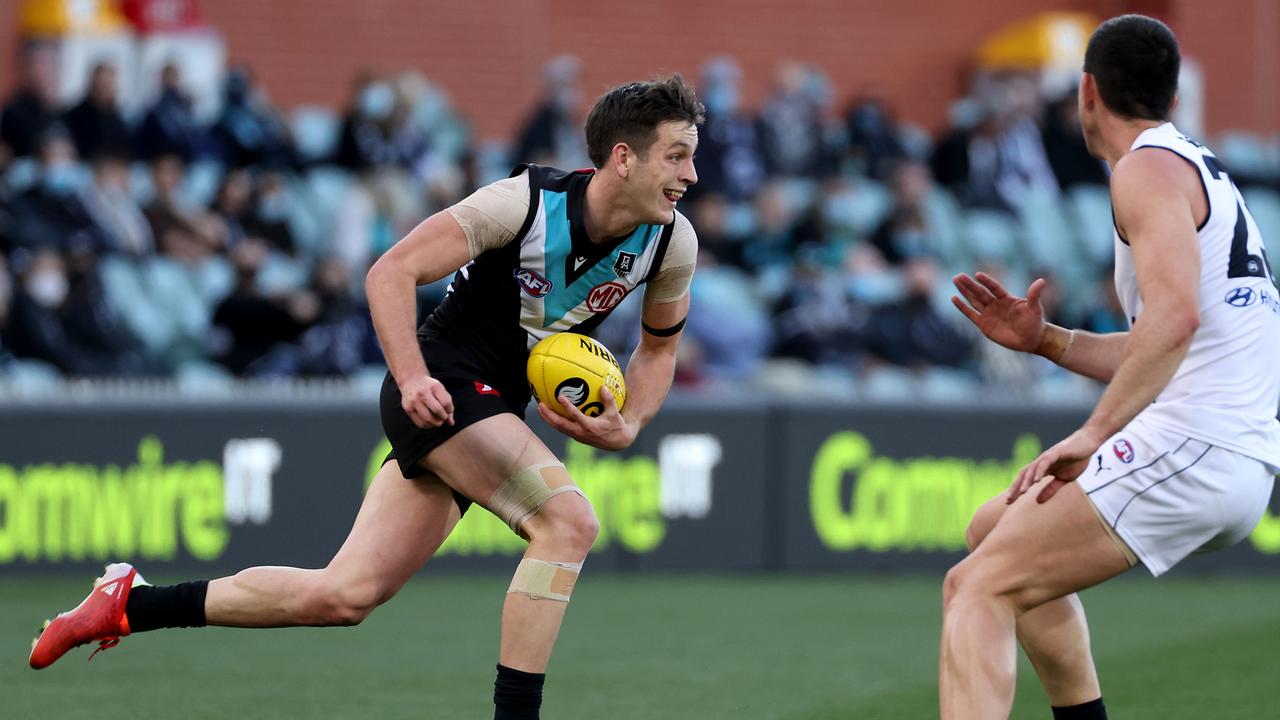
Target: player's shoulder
(682, 230)
(1154, 164)
(1154, 167)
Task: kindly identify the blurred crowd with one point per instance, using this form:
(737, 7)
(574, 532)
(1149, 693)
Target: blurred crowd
(157, 244)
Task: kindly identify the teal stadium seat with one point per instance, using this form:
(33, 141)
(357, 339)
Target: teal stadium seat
(1089, 208)
(1264, 206)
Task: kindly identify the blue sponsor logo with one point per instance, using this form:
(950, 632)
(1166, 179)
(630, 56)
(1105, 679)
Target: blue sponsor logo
(1241, 297)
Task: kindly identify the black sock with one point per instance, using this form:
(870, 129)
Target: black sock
(150, 608)
(517, 695)
(1092, 710)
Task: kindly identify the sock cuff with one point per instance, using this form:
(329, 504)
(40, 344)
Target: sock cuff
(1092, 710)
(520, 674)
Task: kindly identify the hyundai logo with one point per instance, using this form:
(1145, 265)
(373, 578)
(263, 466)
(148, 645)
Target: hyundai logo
(1241, 297)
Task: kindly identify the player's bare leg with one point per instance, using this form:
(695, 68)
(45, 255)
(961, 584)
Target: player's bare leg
(478, 462)
(564, 528)
(1035, 554)
(401, 523)
(1055, 636)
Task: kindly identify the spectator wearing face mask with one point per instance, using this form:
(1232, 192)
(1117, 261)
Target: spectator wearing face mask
(904, 234)
(250, 130)
(730, 162)
(269, 217)
(377, 132)
(552, 135)
(38, 329)
(52, 213)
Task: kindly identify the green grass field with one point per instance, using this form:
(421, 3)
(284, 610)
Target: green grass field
(795, 648)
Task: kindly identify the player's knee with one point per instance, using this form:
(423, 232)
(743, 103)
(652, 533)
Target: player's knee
(951, 586)
(335, 602)
(982, 523)
(571, 525)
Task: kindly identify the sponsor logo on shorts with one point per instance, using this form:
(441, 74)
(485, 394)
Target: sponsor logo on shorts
(575, 390)
(1240, 297)
(1123, 450)
(484, 389)
(531, 283)
(625, 264)
(606, 296)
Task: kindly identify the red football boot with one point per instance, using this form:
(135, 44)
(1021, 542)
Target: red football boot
(99, 618)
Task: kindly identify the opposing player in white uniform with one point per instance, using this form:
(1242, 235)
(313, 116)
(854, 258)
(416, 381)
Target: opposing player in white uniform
(1180, 453)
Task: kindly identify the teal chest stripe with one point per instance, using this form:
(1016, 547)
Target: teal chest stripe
(557, 247)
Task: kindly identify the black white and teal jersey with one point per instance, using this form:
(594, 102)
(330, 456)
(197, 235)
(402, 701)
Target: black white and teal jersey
(535, 272)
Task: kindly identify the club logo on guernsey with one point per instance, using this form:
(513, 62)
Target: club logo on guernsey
(532, 284)
(1123, 450)
(606, 296)
(625, 264)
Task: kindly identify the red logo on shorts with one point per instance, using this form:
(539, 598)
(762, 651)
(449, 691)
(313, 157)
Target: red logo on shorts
(1123, 450)
(485, 389)
(606, 296)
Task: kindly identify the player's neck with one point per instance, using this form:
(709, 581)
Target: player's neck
(603, 215)
(1119, 135)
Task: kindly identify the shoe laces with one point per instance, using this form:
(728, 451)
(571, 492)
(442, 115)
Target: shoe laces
(106, 644)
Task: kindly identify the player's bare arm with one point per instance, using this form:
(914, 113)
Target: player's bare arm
(649, 376)
(1161, 229)
(432, 250)
(1018, 323)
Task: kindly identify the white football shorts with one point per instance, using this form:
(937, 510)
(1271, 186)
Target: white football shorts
(1168, 495)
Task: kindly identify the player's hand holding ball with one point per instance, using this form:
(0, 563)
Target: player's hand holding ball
(426, 402)
(580, 390)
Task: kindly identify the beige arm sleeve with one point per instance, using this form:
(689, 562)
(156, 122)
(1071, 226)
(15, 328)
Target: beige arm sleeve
(491, 216)
(674, 276)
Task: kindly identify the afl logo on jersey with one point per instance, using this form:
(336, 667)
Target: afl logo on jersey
(532, 284)
(1123, 450)
(606, 296)
(1240, 297)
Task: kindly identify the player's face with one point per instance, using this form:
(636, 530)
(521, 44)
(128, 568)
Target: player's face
(662, 175)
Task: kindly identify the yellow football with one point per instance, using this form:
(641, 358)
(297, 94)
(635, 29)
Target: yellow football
(575, 367)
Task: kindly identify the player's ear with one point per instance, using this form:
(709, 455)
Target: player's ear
(621, 159)
(1088, 91)
(1174, 105)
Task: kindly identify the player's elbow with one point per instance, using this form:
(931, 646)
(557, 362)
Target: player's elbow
(1183, 324)
(383, 272)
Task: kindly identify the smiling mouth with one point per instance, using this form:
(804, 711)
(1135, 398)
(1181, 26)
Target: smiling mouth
(673, 195)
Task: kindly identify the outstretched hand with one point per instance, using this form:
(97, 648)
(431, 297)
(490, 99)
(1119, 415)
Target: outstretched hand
(608, 431)
(1014, 322)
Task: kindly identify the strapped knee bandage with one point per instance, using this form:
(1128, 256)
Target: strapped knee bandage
(542, 579)
(523, 493)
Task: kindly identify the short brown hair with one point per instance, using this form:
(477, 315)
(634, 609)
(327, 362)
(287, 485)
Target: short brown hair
(631, 114)
(1135, 61)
